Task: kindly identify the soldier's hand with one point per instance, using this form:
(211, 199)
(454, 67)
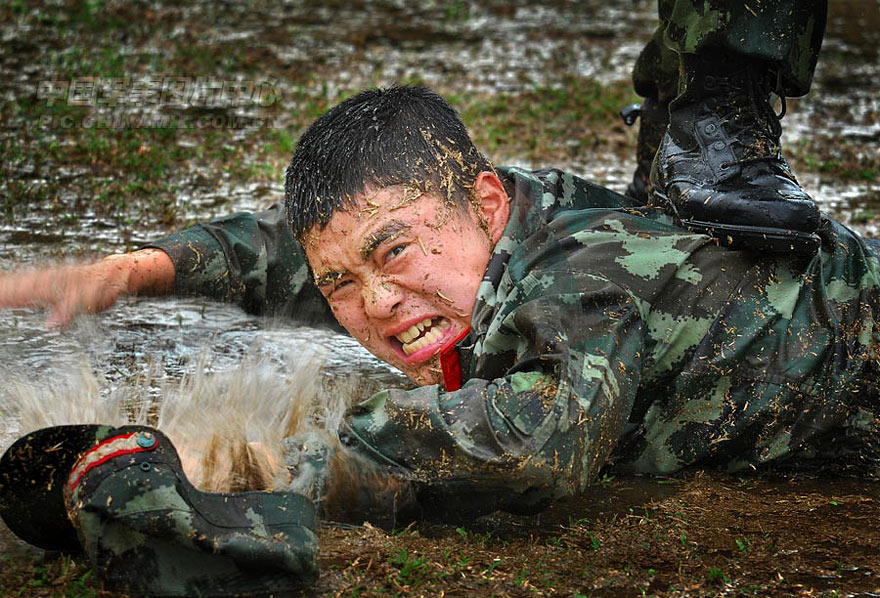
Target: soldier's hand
(67, 291)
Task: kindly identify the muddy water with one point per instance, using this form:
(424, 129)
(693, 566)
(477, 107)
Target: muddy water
(488, 47)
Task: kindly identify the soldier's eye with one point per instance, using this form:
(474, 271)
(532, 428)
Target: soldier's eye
(396, 250)
(340, 286)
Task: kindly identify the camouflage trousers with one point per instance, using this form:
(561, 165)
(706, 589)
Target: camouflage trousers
(786, 33)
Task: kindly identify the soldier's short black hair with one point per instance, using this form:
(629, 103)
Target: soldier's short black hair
(377, 138)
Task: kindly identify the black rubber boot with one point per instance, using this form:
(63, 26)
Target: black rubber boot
(653, 116)
(719, 167)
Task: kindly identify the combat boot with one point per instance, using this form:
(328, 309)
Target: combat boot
(653, 116)
(719, 168)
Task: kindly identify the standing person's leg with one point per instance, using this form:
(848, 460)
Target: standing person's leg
(783, 36)
(719, 167)
(655, 78)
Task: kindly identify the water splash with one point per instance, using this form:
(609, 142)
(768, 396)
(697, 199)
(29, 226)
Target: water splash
(73, 396)
(262, 425)
(229, 426)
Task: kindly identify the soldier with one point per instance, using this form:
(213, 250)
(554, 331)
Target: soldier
(707, 73)
(554, 327)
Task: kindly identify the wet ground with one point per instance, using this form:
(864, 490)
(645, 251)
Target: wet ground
(538, 84)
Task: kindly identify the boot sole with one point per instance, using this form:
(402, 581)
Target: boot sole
(750, 238)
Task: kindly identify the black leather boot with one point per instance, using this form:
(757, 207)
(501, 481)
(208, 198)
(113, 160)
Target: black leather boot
(653, 115)
(719, 167)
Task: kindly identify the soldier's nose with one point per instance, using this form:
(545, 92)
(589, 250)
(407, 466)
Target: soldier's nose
(382, 298)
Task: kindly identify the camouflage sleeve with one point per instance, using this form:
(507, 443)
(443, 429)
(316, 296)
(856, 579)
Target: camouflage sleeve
(251, 260)
(541, 431)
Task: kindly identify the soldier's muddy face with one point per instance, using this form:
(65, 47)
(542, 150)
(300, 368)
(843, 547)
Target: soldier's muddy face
(401, 270)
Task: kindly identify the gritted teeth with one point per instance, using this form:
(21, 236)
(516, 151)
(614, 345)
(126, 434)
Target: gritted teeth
(422, 334)
(413, 331)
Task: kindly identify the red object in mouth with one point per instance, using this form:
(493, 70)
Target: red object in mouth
(450, 363)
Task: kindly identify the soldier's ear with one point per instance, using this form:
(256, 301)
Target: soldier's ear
(494, 203)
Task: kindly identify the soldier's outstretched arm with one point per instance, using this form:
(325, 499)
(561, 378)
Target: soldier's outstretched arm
(69, 290)
(250, 259)
(541, 431)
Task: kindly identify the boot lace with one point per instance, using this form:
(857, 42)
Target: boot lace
(751, 120)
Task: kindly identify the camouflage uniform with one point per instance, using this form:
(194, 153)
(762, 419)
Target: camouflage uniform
(787, 33)
(120, 495)
(601, 333)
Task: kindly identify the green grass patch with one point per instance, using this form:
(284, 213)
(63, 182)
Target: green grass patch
(547, 123)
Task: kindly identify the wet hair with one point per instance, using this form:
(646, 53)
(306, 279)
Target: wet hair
(398, 135)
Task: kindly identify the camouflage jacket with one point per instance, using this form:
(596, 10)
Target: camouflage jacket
(602, 333)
